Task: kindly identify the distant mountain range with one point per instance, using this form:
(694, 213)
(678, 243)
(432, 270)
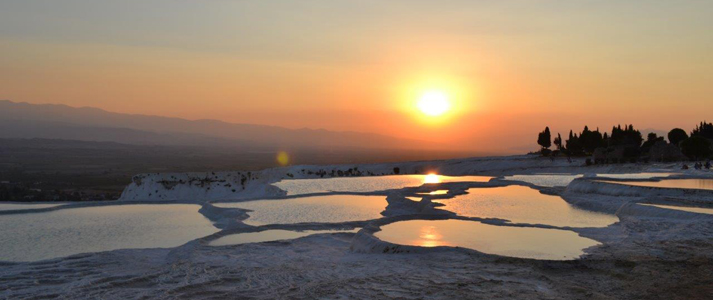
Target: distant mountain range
(50, 121)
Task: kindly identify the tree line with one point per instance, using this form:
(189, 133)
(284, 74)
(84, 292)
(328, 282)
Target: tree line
(627, 143)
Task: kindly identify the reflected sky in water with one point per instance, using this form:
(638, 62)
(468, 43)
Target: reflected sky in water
(699, 210)
(268, 235)
(19, 206)
(29, 237)
(521, 242)
(698, 184)
(644, 175)
(436, 192)
(318, 209)
(521, 204)
(546, 180)
(367, 183)
(552, 180)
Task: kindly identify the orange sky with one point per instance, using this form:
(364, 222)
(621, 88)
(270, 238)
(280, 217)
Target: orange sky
(509, 67)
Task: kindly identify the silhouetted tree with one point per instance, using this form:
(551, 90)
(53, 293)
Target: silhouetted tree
(574, 145)
(584, 136)
(652, 136)
(544, 138)
(591, 140)
(397, 170)
(704, 129)
(625, 137)
(558, 142)
(676, 136)
(696, 147)
(651, 140)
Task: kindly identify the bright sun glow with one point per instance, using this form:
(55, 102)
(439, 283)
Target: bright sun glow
(432, 178)
(434, 103)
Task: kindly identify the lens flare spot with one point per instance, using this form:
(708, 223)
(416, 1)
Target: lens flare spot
(283, 158)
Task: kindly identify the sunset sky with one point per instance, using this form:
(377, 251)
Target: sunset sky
(508, 68)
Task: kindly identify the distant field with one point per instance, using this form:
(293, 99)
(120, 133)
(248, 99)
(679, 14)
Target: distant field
(78, 170)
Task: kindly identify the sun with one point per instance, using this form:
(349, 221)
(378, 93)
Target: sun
(434, 103)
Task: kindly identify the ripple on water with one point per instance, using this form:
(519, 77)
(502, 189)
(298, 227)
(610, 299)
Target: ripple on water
(536, 243)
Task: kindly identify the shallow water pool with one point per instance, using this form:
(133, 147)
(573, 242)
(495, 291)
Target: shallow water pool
(553, 180)
(37, 236)
(546, 180)
(367, 183)
(644, 175)
(317, 209)
(537, 243)
(433, 193)
(268, 236)
(21, 206)
(697, 184)
(521, 204)
(699, 210)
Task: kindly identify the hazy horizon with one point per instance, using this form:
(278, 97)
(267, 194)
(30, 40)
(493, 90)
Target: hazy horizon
(509, 68)
(522, 148)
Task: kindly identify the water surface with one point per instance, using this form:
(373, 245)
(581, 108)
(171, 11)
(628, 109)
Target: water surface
(318, 209)
(268, 236)
(521, 204)
(30, 237)
(643, 175)
(553, 180)
(436, 192)
(697, 184)
(367, 183)
(699, 210)
(537, 243)
(20, 206)
(547, 180)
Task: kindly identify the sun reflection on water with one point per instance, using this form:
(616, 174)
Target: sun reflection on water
(432, 178)
(430, 237)
(436, 192)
